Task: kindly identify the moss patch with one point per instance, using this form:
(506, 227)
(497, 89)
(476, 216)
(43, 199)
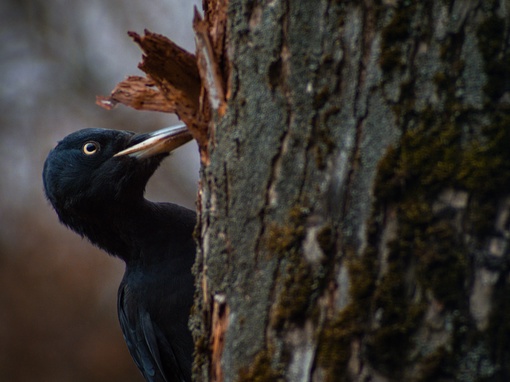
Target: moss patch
(294, 299)
(261, 370)
(485, 166)
(335, 346)
(451, 147)
(389, 341)
(497, 60)
(300, 281)
(281, 238)
(337, 335)
(443, 265)
(394, 36)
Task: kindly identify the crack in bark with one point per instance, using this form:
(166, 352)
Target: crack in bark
(276, 160)
(355, 149)
(226, 188)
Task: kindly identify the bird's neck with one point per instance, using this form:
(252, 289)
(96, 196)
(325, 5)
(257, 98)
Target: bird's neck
(123, 230)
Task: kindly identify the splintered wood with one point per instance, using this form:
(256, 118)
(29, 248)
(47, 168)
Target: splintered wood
(137, 92)
(220, 320)
(172, 84)
(208, 67)
(213, 63)
(193, 87)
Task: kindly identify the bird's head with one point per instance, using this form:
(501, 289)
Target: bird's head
(100, 167)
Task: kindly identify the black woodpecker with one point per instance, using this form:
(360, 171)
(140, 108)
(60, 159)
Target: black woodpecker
(95, 180)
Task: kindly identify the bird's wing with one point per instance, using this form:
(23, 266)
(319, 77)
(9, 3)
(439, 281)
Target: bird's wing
(146, 342)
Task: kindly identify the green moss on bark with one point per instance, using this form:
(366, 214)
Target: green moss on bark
(497, 59)
(394, 36)
(300, 280)
(295, 299)
(262, 369)
(337, 335)
(448, 146)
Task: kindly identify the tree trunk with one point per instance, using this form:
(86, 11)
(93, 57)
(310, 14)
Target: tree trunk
(355, 213)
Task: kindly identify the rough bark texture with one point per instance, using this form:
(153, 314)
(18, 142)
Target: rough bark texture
(354, 208)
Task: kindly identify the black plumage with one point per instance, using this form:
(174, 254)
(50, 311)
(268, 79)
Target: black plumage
(95, 180)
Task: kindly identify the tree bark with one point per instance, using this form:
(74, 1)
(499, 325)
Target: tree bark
(354, 210)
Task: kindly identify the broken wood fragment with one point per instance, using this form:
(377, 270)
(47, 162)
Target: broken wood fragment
(137, 92)
(194, 88)
(165, 61)
(220, 322)
(175, 72)
(208, 67)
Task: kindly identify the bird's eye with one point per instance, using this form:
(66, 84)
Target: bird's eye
(90, 148)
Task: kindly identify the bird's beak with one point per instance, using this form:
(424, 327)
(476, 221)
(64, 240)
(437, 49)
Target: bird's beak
(157, 142)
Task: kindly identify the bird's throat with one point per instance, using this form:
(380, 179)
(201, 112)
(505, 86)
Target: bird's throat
(119, 230)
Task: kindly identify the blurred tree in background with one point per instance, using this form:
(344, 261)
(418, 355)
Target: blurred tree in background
(57, 292)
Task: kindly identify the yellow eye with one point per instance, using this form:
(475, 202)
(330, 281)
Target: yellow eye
(90, 148)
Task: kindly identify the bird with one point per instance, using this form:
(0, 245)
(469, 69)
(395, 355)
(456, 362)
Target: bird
(95, 180)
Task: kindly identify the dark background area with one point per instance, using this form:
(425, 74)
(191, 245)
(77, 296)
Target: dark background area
(58, 319)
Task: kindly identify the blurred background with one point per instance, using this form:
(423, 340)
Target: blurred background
(58, 319)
